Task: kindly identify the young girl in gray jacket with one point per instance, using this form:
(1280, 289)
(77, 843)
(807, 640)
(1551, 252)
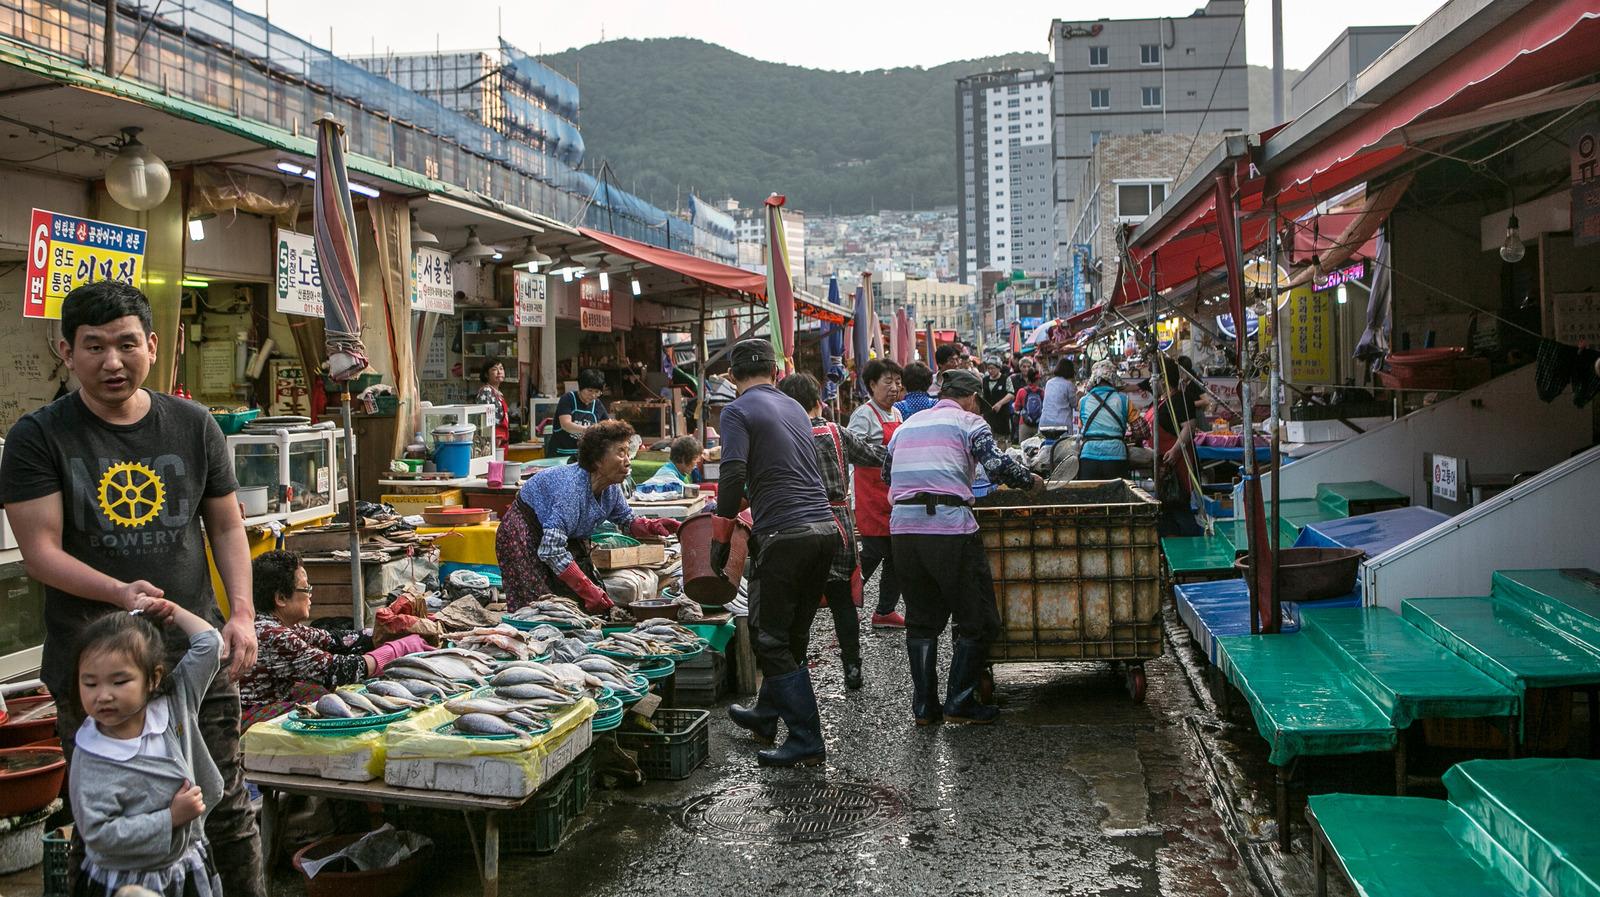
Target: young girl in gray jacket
(142, 779)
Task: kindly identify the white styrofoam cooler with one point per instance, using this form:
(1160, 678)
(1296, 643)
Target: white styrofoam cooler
(489, 775)
(1327, 430)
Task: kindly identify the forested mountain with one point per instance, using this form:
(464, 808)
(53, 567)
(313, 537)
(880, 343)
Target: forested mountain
(675, 115)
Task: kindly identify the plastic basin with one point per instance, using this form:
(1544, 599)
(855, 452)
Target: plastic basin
(16, 733)
(390, 882)
(700, 581)
(30, 778)
(1312, 574)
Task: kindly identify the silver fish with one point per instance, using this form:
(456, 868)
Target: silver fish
(491, 706)
(422, 688)
(388, 689)
(390, 705)
(521, 675)
(527, 718)
(533, 691)
(331, 706)
(483, 724)
(359, 701)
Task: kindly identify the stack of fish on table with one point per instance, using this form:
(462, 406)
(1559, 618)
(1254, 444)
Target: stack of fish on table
(524, 695)
(507, 641)
(408, 683)
(559, 611)
(651, 638)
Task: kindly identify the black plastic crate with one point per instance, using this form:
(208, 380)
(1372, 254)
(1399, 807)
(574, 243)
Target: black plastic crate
(582, 780)
(677, 750)
(542, 822)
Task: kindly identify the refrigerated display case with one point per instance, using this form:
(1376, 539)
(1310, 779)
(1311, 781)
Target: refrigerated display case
(481, 417)
(303, 470)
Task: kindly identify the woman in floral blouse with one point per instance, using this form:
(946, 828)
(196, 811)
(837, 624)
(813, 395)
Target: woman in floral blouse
(296, 663)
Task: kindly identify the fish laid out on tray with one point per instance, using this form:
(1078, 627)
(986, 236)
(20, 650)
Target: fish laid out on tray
(354, 705)
(510, 712)
(651, 638)
(446, 665)
(559, 611)
(506, 640)
(613, 674)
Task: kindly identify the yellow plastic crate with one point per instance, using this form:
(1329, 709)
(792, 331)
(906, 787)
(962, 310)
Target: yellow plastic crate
(416, 504)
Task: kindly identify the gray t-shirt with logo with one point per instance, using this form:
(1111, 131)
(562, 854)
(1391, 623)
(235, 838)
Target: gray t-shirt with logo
(130, 502)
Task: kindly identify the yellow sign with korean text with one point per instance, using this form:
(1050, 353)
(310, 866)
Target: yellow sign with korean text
(65, 252)
(1308, 335)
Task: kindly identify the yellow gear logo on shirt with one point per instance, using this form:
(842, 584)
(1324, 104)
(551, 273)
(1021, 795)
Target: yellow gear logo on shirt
(131, 494)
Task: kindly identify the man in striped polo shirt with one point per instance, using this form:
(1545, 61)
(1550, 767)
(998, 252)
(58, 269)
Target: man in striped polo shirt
(932, 461)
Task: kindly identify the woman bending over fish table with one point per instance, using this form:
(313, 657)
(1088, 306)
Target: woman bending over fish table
(296, 663)
(542, 546)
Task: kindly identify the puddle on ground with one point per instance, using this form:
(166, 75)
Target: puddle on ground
(1116, 780)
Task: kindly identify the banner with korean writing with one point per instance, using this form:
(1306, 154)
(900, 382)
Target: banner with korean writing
(594, 307)
(528, 300)
(1308, 335)
(299, 280)
(66, 252)
(433, 284)
(1584, 141)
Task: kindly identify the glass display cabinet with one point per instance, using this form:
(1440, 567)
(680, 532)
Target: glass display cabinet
(303, 470)
(481, 417)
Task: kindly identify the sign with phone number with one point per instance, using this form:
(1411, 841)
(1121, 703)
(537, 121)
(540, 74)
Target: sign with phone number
(66, 252)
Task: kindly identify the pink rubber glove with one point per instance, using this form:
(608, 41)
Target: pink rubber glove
(388, 652)
(595, 600)
(653, 528)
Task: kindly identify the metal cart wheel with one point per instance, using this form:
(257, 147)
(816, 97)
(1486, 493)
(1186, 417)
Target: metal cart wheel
(1136, 681)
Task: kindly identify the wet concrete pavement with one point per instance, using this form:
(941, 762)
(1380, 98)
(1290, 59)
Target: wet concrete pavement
(1077, 791)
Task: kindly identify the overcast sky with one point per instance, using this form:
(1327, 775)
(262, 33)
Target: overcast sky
(846, 35)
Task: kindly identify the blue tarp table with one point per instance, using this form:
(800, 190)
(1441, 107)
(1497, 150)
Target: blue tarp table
(1373, 533)
(1235, 453)
(1222, 607)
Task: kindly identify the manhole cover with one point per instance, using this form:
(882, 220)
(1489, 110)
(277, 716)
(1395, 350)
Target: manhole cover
(792, 811)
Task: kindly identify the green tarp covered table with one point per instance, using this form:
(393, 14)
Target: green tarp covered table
(1406, 673)
(1545, 812)
(1198, 557)
(1361, 497)
(1303, 703)
(1404, 847)
(1516, 648)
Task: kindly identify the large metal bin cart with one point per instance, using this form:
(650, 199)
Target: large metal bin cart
(1076, 575)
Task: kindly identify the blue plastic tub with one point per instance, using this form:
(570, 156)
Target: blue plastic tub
(455, 457)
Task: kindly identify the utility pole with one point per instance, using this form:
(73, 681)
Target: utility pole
(1278, 116)
(110, 51)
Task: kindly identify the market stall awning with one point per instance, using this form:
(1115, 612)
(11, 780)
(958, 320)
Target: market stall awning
(711, 274)
(1469, 57)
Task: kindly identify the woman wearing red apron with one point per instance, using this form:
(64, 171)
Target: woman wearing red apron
(876, 421)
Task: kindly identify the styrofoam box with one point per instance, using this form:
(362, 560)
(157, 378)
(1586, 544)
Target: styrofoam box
(358, 765)
(8, 541)
(1327, 430)
(487, 775)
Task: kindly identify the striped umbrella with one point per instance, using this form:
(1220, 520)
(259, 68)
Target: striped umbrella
(334, 222)
(780, 289)
(861, 337)
(929, 344)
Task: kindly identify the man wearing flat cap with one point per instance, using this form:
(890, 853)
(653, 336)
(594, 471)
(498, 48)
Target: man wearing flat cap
(768, 456)
(933, 458)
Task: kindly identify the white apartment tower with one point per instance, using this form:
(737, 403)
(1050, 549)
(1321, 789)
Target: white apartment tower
(1003, 172)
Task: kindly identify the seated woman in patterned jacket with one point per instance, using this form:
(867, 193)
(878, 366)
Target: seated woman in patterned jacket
(296, 663)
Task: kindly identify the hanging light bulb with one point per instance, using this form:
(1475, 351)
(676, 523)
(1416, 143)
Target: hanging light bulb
(137, 179)
(633, 279)
(1343, 296)
(420, 237)
(531, 258)
(1512, 250)
(604, 267)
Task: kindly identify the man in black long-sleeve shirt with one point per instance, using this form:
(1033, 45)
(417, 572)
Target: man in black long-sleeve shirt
(767, 452)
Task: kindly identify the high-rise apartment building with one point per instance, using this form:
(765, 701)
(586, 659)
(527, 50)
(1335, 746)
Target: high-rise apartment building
(1141, 76)
(1003, 172)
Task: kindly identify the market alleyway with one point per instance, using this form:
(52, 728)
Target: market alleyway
(1077, 791)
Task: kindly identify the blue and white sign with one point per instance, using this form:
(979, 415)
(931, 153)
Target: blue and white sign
(1252, 323)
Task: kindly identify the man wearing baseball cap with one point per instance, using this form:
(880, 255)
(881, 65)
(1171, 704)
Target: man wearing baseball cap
(932, 461)
(768, 456)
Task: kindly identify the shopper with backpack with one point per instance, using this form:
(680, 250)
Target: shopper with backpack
(1029, 406)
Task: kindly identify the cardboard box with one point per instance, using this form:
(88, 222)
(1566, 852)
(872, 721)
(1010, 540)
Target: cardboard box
(648, 554)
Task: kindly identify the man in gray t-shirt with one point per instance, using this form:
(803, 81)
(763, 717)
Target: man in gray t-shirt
(106, 489)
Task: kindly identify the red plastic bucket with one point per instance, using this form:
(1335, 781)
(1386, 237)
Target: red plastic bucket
(700, 581)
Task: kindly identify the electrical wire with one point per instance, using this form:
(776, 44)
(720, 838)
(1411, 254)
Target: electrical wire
(1221, 70)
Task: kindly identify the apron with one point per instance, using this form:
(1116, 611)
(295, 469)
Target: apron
(565, 444)
(872, 493)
